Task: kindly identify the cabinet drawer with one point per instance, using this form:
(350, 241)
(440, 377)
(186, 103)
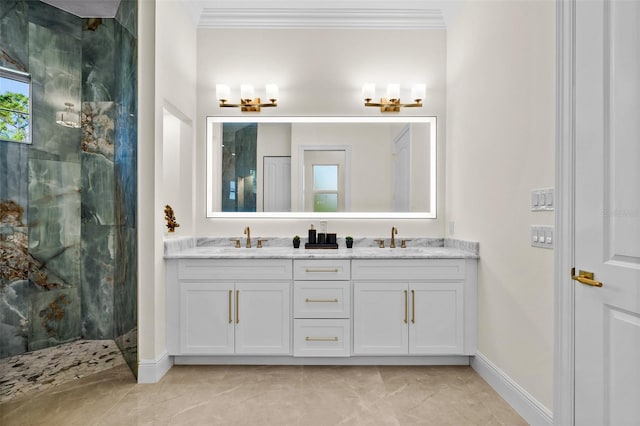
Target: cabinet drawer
(321, 299)
(331, 269)
(235, 269)
(321, 337)
(408, 269)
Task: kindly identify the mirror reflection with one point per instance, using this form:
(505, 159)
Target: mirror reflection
(329, 166)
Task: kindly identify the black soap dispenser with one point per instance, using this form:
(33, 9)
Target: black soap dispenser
(312, 235)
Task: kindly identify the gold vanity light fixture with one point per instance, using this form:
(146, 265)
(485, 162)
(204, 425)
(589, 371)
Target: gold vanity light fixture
(392, 102)
(248, 103)
(68, 117)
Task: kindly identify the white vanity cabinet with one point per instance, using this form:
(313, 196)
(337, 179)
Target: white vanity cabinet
(322, 308)
(414, 306)
(225, 307)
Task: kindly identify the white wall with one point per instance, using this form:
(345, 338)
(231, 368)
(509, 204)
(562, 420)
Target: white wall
(319, 72)
(500, 146)
(167, 58)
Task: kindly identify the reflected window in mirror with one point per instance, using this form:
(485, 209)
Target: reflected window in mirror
(15, 106)
(325, 188)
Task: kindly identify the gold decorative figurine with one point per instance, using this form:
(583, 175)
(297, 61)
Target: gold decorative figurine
(170, 218)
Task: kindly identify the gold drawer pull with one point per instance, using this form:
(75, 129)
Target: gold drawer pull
(321, 270)
(230, 297)
(321, 339)
(321, 300)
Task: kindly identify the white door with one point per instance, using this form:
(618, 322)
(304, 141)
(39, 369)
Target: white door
(607, 212)
(277, 184)
(380, 318)
(436, 323)
(206, 318)
(263, 318)
(402, 171)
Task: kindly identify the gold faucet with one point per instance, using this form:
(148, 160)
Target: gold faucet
(247, 232)
(394, 232)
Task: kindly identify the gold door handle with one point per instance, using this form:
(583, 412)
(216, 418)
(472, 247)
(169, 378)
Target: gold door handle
(406, 305)
(321, 270)
(321, 339)
(230, 297)
(237, 306)
(585, 277)
(321, 300)
(413, 306)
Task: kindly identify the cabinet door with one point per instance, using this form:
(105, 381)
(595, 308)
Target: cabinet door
(436, 325)
(380, 315)
(206, 318)
(263, 318)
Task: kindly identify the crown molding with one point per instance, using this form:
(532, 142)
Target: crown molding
(321, 18)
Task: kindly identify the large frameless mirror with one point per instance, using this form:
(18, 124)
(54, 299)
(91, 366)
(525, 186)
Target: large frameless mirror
(15, 106)
(329, 167)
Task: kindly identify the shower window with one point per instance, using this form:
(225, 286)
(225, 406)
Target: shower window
(15, 106)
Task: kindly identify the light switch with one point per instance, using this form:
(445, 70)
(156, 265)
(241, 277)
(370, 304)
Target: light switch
(542, 236)
(542, 199)
(548, 198)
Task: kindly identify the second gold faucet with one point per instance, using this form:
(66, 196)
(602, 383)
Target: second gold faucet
(247, 232)
(394, 232)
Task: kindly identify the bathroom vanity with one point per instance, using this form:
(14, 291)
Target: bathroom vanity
(279, 305)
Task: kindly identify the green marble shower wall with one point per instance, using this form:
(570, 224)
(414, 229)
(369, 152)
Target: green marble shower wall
(62, 230)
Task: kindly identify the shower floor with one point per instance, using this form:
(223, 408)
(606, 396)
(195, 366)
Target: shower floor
(45, 368)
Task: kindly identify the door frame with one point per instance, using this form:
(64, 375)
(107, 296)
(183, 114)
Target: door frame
(564, 254)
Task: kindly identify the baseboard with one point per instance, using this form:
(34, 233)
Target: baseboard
(526, 405)
(152, 370)
(289, 360)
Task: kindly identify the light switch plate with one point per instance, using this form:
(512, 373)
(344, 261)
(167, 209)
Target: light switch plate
(542, 236)
(542, 200)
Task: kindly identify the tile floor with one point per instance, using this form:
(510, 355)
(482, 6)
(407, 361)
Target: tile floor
(269, 395)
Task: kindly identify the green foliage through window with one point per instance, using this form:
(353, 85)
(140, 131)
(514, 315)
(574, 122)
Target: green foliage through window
(15, 111)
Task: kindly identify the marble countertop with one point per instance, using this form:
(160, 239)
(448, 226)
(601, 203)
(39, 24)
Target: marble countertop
(422, 249)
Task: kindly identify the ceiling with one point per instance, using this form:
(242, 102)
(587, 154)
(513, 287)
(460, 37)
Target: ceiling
(311, 14)
(87, 8)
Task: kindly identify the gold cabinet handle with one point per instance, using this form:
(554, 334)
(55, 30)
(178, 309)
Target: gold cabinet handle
(321, 270)
(413, 306)
(237, 306)
(321, 339)
(230, 297)
(585, 277)
(406, 305)
(321, 300)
